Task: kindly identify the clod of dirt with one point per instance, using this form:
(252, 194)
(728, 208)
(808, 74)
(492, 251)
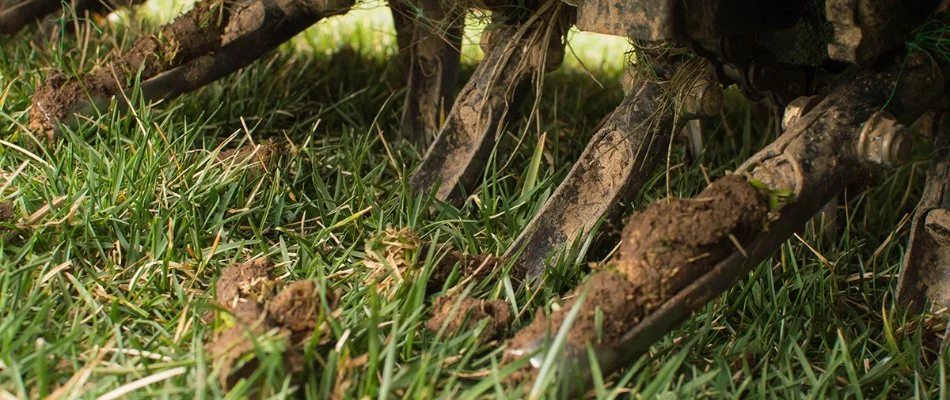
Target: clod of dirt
(249, 293)
(470, 267)
(258, 157)
(664, 248)
(470, 312)
(190, 35)
(390, 255)
(250, 281)
(7, 213)
(296, 307)
(669, 245)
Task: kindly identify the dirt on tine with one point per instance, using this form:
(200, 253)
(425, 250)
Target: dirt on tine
(261, 156)
(664, 248)
(190, 35)
(470, 312)
(248, 292)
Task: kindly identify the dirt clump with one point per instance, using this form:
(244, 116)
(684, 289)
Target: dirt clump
(665, 247)
(395, 256)
(669, 245)
(391, 259)
(259, 157)
(469, 313)
(7, 212)
(190, 35)
(296, 307)
(470, 267)
(250, 281)
(254, 307)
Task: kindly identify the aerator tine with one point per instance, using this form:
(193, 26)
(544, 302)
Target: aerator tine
(925, 276)
(515, 50)
(617, 161)
(208, 42)
(17, 14)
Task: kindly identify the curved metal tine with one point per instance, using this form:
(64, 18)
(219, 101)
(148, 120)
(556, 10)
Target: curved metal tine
(268, 24)
(620, 157)
(828, 134)
(261, 26)
(925, 276)
(429, 48)
(460, 151)
(16, 14)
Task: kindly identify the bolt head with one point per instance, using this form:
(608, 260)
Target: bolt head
(884, 141)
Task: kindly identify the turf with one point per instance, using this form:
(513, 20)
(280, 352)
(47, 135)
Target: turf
(109, 292)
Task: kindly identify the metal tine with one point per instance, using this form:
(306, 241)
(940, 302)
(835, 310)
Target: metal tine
(16, 14)
(254, 28)
(620, 157)
(925, 276)
(460, 151)
(268, 24)
(430, 51)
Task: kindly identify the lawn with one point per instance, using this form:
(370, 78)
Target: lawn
(121, 226)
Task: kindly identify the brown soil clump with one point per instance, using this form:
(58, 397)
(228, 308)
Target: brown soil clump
(669, 245)
(7, 213)
(390, 256)
(253, 280)
(471, 267)
(190, 35)
(296, 307)
(248, 292)
(258, 157)
(470, 312)
(664, 248)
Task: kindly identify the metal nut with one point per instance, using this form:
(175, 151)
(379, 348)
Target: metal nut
(797, 108)
(884, 141)
(704, 99)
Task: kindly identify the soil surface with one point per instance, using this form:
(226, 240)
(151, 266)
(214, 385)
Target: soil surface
(248, 293)
(190, 35)
(664, 248)
(470, 313)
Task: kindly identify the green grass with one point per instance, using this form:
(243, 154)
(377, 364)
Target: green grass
(114, 284)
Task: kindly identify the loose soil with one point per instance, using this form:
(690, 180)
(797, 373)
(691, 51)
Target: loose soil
(259, 157)
(7, 213)
(190, 35)
(470, 313)
(664, 248)
(248, 293)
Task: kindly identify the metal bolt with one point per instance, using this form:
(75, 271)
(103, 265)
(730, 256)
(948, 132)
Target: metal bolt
(798, 108)
(704, 99)
(884, 141)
